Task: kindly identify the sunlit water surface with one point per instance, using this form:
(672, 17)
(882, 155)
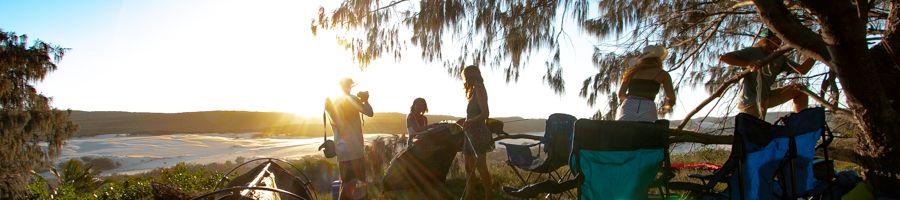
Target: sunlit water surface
(137, 154)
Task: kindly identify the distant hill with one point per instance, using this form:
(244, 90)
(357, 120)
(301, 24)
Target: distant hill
(104, 122)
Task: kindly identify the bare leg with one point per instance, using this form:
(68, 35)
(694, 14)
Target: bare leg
(485, 175)
(469, 160)
(791, 92)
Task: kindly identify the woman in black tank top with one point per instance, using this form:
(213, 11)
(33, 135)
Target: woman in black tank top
(478, 139)
(640, 85)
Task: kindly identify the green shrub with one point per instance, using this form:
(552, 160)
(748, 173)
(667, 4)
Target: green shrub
(38, 189)
(193, 179)
(133, 187)
(82, 178)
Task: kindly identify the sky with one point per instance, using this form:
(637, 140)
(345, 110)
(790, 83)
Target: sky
(200, 55)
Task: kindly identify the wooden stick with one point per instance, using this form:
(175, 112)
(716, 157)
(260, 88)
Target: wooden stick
(830, 106)
(678, 136)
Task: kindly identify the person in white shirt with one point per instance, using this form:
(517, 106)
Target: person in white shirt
(349, 145)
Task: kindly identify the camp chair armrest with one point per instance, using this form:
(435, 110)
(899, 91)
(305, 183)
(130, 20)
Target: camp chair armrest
(520, 145)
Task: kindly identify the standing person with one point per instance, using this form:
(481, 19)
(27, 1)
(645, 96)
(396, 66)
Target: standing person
(416, 121)
(640, 84)
(478, 139)
(347, 126)
(756, 93)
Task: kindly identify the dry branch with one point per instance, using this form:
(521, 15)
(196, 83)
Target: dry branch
(679, 136)
(830, 106)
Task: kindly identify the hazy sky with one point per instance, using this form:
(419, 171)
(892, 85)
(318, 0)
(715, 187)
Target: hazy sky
(198, 55)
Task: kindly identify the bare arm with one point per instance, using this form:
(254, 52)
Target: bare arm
(362, 105)
(624, 87)
(732, 59)
(367, 109)
(666, 81)
(805, 67)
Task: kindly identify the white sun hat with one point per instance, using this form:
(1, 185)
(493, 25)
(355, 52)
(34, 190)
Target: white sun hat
(654, 51)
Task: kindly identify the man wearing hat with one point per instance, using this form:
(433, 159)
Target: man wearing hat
(347, 126)
(757, 94)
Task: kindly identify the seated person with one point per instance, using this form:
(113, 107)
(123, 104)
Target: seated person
(416, 122)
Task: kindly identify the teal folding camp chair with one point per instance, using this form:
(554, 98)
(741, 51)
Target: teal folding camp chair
(612, 160)
(619, 160)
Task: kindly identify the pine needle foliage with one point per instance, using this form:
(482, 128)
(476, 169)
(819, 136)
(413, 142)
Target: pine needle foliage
(31, 131)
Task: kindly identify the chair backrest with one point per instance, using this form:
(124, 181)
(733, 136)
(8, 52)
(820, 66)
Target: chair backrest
(558, 135)
(806, 128)
(520, 155)
(617, 159)
(764, 150)
(758, 157)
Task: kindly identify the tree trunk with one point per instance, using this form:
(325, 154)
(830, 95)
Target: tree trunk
(873, 96)
(869, 76)
(879, 117)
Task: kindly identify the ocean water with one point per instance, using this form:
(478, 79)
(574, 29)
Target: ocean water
(137, 154)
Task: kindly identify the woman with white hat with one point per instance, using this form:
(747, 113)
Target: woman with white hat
(641, 82)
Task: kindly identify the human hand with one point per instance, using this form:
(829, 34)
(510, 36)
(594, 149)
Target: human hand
(467, 123)
(363, 96)
(665, 109)
(795, 86)
(754, 66)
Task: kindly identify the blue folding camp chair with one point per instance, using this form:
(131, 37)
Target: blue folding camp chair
(804, 129)
(770, 161)
(555, 145)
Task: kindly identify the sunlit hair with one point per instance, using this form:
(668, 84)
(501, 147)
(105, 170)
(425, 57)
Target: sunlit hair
(418, 101)
(646, 63)
(471, 78)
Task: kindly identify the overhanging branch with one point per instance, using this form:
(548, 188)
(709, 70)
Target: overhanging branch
(822, 101)
(780, 20)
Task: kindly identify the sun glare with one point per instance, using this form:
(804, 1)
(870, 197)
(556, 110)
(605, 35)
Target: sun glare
(319, 80)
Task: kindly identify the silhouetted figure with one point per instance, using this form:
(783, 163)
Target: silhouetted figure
(478, 137)
(347, 126)
(756, 91)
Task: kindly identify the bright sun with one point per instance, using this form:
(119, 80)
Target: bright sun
(315, 85)
(313, 80)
